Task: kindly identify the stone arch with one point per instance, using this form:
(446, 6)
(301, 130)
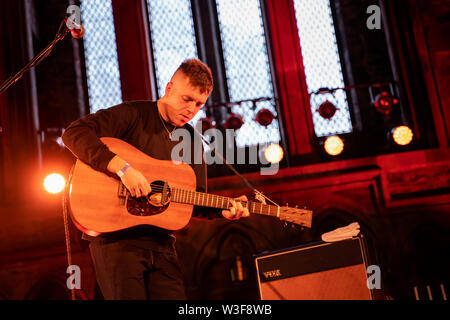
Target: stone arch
(341, 212)
(223, 278)
(217, 259)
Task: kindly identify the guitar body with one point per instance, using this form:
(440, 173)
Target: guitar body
(94, 197)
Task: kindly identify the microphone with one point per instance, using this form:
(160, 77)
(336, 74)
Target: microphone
(77, 30)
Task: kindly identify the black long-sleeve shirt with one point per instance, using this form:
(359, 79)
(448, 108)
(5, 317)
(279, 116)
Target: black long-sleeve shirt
(139, 124)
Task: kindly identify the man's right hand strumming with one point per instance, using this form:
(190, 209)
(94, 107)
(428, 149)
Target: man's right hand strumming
(133, 179)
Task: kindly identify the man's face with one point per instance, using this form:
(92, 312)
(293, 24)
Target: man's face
(183, 100)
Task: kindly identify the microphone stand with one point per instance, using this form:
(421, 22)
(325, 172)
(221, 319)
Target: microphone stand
(36, 60)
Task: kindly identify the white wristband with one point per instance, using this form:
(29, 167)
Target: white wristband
(122, 170)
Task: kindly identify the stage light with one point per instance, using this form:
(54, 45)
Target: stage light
(207, 124)
(273, 153)
(334, 145)
(402, 135)
(234, 122)
(385, 102)
(264, 117)
(327, 110)
(54, 183)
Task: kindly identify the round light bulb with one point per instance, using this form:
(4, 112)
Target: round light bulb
(402, 135)
(334, 145)
(54, 183)
(273, 153)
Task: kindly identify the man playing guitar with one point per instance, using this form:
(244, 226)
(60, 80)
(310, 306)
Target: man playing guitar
(141, 262)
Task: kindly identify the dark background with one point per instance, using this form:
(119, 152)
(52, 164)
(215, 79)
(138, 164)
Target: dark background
(399, 196)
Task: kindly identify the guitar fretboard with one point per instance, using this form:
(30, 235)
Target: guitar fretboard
(216, 201)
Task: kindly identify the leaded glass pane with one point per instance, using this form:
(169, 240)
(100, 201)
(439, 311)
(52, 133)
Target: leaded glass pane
(247, 67)
(102, 67)
(173, 37)
(322, 64)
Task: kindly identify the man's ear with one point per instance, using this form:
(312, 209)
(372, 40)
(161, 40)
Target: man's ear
(169, 87)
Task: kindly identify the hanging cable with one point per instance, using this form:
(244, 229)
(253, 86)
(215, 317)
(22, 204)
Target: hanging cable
(258, 194)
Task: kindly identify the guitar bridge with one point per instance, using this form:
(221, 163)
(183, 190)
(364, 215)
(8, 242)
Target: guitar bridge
(122, 193)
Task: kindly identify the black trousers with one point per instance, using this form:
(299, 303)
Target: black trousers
(130, 270)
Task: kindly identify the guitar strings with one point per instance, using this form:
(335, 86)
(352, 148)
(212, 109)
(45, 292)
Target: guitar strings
(160, 188)
(265, 207)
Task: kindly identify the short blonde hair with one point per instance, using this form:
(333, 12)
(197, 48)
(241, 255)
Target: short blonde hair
(199, 74)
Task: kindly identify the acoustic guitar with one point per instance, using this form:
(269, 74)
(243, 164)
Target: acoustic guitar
(100, 203)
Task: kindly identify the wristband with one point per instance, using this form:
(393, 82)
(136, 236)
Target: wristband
(123, 170)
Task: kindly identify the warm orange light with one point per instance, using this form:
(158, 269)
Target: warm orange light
(334, 145)
(273, 153)
(54, 183)
(402, 135)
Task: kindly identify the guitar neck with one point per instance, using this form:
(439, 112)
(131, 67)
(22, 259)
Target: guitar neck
(220, 202)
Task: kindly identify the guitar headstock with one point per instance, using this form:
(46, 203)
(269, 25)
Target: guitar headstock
(298, 216)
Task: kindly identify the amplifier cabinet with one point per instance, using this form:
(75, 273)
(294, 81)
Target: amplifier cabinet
(317, 271)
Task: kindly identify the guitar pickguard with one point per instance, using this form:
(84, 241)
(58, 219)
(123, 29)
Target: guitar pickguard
(154, 203)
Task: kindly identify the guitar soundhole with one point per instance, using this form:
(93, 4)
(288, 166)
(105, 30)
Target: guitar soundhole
(154, 203)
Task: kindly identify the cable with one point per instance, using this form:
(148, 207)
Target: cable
(67, 235)
(257, 192)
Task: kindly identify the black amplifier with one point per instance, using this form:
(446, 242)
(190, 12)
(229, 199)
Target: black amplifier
(316, 271)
